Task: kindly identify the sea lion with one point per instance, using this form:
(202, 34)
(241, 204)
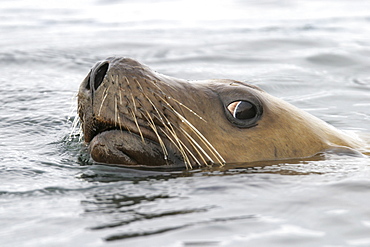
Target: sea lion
(134, 116)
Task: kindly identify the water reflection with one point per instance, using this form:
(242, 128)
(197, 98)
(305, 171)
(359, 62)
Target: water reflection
(129, 206)
(131, 203)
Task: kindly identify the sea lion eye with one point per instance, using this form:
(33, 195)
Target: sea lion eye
(243, 113)
(242, 110)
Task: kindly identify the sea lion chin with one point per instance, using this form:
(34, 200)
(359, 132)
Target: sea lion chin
(131, 115)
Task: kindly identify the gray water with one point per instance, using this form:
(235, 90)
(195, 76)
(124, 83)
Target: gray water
(314, 54)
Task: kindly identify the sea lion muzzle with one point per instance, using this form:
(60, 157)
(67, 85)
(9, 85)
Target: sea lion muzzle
(116, 136)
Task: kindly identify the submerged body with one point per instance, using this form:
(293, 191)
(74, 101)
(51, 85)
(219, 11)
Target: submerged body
(134, 116)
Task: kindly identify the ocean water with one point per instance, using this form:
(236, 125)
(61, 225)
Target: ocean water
(314, 54)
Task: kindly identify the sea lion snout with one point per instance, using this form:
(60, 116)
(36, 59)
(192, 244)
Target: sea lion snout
(128, 115)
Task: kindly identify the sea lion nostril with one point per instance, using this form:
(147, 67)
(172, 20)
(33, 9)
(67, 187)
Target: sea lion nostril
(99, 74)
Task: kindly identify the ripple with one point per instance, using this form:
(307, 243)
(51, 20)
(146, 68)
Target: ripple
(144, 217)
(47, 191)
(178, 227)
(331, 59)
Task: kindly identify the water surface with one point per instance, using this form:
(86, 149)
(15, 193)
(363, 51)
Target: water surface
(314, 54)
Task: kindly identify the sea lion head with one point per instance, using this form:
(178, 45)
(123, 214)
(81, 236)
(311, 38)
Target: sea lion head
(134, 116)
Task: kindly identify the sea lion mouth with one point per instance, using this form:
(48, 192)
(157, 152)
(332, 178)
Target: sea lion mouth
(113, 144)
(126, 148)
(98, 128)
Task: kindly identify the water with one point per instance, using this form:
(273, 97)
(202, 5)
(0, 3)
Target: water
(314, 54)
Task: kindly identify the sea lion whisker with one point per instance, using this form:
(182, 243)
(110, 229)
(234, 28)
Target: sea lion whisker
(195, 130)
(192, 142)
(210, 147)
(159, 116)
(187, 108)
(135, 119)
(180, 104)
(214, 152)
(115, 111)
(150, 120)
(105, 93)
(120, 89)
(150, 90)
(138, 83)
(112, 78)
(165, 83)
(120, 97)
(122, 126)
(132, 111)
(76, 128)
(156, 84)
(127, 80)
(179, 145)
(176, 140)
(120, 123)
(76, 121)
(137, 124)
(193, 156)
(158, 93)
(201, 152)
(154, 128)
(152, 125)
